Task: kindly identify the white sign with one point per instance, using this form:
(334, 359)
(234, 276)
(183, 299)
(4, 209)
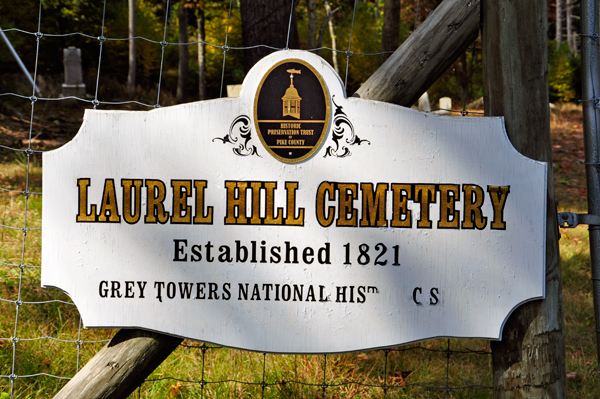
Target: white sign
(293, 219)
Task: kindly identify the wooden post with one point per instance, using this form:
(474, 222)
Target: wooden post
(425, 55)
(529, 362)
(121, 366)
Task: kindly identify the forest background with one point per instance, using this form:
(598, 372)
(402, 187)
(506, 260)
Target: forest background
(194, 71)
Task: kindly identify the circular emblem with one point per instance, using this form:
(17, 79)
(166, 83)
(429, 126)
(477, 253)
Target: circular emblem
(291, 110)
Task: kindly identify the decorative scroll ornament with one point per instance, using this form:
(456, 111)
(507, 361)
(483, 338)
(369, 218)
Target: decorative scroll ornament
(240, 127)
(340, 134)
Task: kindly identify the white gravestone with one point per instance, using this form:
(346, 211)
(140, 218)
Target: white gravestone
(73, 86)
(445, 106)
(233, 90)
(424, 103)
(446, 103)
(292, 219)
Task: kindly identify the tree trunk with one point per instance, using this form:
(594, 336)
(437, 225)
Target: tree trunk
(559, 23)
(313, 24)
(390, 37)
(121, 366)
(266, 22)
(332, 34)
(201, 56)
(184, 55)
(464, 78)
(376, 9)
(425, 55)
(571, 40)
(529, 362)
(321, 36)
(132, 50)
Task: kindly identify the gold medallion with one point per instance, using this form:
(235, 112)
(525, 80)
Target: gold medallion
(291, 110)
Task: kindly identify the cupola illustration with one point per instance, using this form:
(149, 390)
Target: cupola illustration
(291, 99)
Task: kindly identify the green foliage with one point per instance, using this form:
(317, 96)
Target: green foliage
(564, 68)
(86, 16)
(90, 18)
(366, 39)
(579, 313)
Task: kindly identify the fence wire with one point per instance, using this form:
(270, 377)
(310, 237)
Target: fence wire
(391, 383)
(79, 345)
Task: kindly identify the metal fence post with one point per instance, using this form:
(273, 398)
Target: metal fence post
(18, 59)
(591, 121)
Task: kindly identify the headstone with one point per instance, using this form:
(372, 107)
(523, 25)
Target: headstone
(445, 106)
(475, 104)
(233, 90)
(446, 103)
(73, 86)
(424, 103)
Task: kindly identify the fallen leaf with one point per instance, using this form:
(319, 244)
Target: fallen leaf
(399, 377)
(175, 389)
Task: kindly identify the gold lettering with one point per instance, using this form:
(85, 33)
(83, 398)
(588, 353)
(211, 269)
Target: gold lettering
(425, 195)
(130, 215)
(373, 205)
(290, 217)
(155, 210)
(200, 217)
(236, 202)
(401, 215)
(181, 212)
(255, 190)
(270, 217)
(473, 200)
(82, 215)
(498, 196)
(325, 220)
(109, 211)
(448, 214)
(347, 193)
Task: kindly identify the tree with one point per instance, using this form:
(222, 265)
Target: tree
(132, 50)
(332, 34)
(201, 54)
(571, 37)
(184, 54)
(325, 24)
(199, 6)
(559, 23)
(529, 362)
(390, 37)
(313, 21)
(265, 22)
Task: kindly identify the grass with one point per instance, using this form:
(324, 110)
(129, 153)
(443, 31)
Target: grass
(358, 375)
(228, 373)
(581, 354)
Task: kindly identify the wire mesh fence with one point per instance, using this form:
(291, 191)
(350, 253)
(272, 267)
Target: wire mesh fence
(382, 373)
(43, 342)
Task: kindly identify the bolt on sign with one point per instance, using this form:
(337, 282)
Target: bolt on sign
(293, 219)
